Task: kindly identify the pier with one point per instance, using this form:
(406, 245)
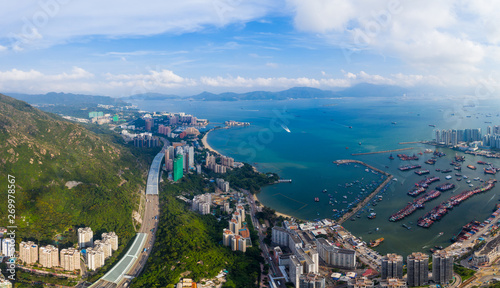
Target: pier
(369, 197)
(386, 151)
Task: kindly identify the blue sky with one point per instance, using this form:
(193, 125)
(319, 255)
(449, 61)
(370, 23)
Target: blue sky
(119, 48)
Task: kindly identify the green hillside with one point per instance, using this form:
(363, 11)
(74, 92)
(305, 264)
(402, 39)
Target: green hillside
(44, 152)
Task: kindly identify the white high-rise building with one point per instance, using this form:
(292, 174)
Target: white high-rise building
(191, 156)
(241, 210)
(234, 226)
(105, 246)
(85, 237)
(70, 259)
(113, 239)
(8, 247)
(49, 256)
(95, 258)
(227, 237)
(28, 252)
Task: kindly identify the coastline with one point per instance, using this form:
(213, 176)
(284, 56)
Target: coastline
(205, 143)
(255, 198)
(207, 146)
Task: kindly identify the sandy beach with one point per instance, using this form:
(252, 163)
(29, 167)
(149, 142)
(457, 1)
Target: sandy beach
(276, 212)
(205, 143)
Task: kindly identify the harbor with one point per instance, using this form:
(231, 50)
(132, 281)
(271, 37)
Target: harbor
(368, 198)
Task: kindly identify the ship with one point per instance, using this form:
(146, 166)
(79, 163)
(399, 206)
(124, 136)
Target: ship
(445, 187)
(490, 170)
(391, 157)
(409, 167)
(439, 211)
(471, 167)
(316, 199)
(372, 215)
(324, 190)
(406, 226)
(422, 172)
(432, 125)
(481, 162)
(431, 161)
(376, 242)
(459, 158)
(405, 157)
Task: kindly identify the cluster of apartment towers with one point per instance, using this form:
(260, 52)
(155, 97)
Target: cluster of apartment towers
(301, 264)
(238, 235)
(69, 258)
(417, 265)
(453, 137)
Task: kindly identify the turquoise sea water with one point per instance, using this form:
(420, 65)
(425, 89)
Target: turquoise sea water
(325, 130)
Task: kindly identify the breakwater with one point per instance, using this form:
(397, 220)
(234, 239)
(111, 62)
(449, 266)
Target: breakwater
(380, 152)
(369, 197)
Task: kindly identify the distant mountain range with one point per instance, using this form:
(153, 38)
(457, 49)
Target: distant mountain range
(360, 90)
(67, 99)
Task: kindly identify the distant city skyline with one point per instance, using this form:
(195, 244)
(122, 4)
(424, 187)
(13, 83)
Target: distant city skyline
(122, 48)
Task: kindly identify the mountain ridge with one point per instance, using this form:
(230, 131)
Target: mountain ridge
(44, 152)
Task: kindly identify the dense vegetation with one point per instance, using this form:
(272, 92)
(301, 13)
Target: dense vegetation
(465, 273)
(189, 244)
(44, 152)
(246, 178)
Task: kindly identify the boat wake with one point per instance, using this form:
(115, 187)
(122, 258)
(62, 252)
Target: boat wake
(492, 197)
(285, 128)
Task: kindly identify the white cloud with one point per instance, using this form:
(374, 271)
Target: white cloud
(78, 80)
(61, 21)
(445, 36)
(3, 48)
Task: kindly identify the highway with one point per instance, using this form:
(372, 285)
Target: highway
(133, 262)
(263, 246)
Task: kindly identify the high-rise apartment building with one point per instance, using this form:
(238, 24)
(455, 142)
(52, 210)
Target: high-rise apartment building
(178, 167)
(49, 256)
(95, 258)
(442, 267)
(28, 252)
(392, 266)
(70, 259)
(85, 237)
(113, 239)
(418, 269)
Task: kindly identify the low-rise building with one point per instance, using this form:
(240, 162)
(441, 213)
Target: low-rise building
(393, 283)
(360, 282)
(336, 257)
(488, 253)
(311, 280)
